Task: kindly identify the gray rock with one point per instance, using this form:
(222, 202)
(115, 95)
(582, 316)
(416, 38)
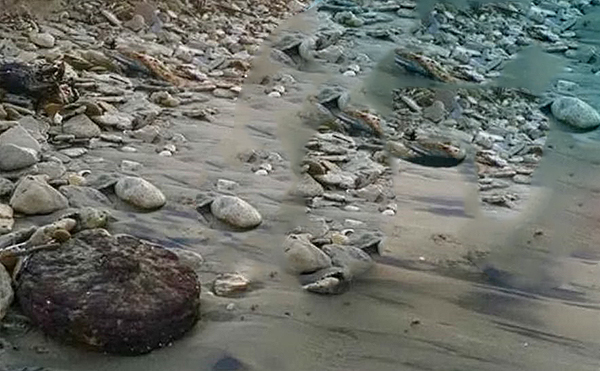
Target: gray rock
(164, 99)
(80, 196)
(6, 291)
(136, 23)
(224, 93)
(19, 136)
(302, 256)
(113, 120)
(229, 284)
(6, 219)
(235, 212)
(13, 157)
(53, 169)
(81, 126)
(6, 187)
(34, 196)
(575, 112)
(189, 258)
(139, 192)
(328, 281)
(224, 185)
(74, 152)
(130, 166)
(371, 193)
(3, 114)
(148, 133)
(352, 259)
(44, 40)
(308, 187)
(435, 112)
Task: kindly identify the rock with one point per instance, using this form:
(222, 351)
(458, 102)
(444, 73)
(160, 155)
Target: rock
(302, 256)
(328, 281)
(235, 212)
(80, 196)
(13, 157)
(6, 219)
(224, 185)
(44, 40)
(352, 259)
(115, 294)
(113, 120)
(6, 187)
(224, 93)
(164, 99)
(88, 218)
(435, 112)
(81, 126)
(3, 114)
(308, 187)
(111, 17)
(139, 192)
(371, 193)
(148, 133)
(189, 258)
(6, 291)
(34, 196)
(19, 136)
(136, 23)
(130, 166)
(229, 284)
(74, 152)
(575, 112)
(53, 169)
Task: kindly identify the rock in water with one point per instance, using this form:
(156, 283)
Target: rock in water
(6, 291)
(302, 256)
(19, 136)
(140, 193)
(14, 157)
(117, 294)
(575, 112)
(34, 196)
(228, 284)
(235, 212)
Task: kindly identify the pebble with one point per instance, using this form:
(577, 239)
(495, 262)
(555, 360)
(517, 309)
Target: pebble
(136, 23)
(6, 219)
(130, 166)
(6, 187)
(388, 212)
(353, 260)
(575, 112)
(13, 157)
(224, 185)
(33, 196)
(302, 256)
(74, 152)
(229, 284)
(44, 40)
(6, 291)
(139, 192)
(235, 212)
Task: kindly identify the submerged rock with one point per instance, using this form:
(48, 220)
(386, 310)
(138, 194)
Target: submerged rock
(575, 112)
(117, 294)
(235, 212)
(228, 284)
(34, 196)
(140, 193)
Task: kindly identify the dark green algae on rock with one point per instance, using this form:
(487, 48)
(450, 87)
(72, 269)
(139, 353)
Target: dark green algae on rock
(116, 294)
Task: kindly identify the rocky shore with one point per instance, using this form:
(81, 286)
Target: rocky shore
(181, 153)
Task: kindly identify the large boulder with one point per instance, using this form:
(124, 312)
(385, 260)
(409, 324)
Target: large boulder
(575, 112)
(117, 294)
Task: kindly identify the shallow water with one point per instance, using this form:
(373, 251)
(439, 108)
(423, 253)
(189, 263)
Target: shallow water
(423, 307)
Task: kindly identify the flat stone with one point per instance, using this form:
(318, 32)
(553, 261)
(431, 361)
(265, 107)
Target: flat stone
(575, 112)
(74, 152)
(34, 196)
(352, 259)
(235, 212)
(113, 120)
(302, 256)
(136, 23)
(53, 169)
(130, 166)
(115, 294)
(44, 40)
(308, 187)
(139, 192)
(13, 157)
(229, 284)
(19, 136)
(81, 126)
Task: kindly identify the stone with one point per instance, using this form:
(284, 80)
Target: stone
(53, 169)
(139, 192)
(302, 256)
(371, 193)
(33, 196)
(74, 152)
(224, 93)
(19, 136)
(148, 133)
(435, 112)
(575, 112)
(6, 187)
(13, 157)
(3, 114)
(308, 187)
(230, 284)
(115, 294)
(235, 212)
(224, 185)
(6, 291)
(328, 281)
(189, 258)
(352, 259)
(164, 99)
(88, 218)
(81, 196)
(43, 40)
(130, 166)
(113, 120)
(6, 219)
(136, 23)
(81, 126)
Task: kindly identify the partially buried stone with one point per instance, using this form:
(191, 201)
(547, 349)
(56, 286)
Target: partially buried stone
(575, 112)
(13, 157)
(229, 284)
(139, 192)
(117, 294)
(34, 196)
(235, 212)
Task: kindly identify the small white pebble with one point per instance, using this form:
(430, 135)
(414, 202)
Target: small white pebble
(261, 172)
(230, 306)
(274, 94)
(351, 208)
(349, 74)
(354, 67)
(266, 166)
(388, 212)
(165, 153)
(236, 89)
(353, 223)
(170, 148)
(128, 149)
(279, 88)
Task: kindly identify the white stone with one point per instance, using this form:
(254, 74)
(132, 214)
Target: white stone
(235, 211)
(575, 112)
(139, 192)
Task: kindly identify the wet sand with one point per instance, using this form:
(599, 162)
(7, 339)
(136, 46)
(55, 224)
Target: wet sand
(425, 306)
